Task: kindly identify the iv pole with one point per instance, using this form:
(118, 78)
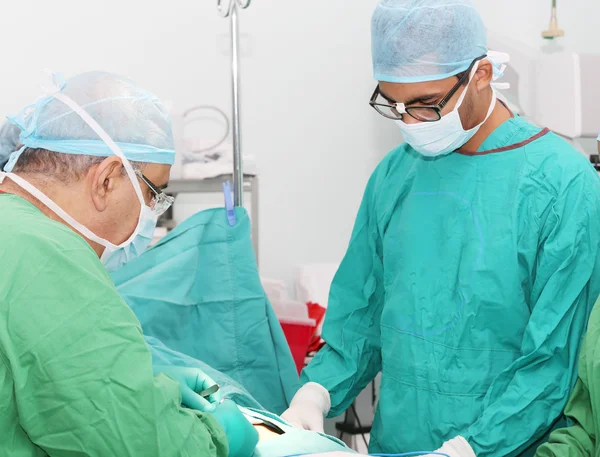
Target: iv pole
(231, 11)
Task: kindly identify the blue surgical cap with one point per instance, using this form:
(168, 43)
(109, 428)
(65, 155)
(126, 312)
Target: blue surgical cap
(9, 140)
(425, 40)
(135, 119)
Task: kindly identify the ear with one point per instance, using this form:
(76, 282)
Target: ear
(483, 76)
(103, 180)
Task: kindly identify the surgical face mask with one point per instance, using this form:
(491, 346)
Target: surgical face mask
(114, 256)
(433, 139)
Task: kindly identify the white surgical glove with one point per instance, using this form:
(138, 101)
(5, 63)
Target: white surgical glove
(456, 447)
(309, 407)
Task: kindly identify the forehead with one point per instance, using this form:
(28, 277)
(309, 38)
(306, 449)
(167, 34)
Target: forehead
(407, 92)
(157, 173)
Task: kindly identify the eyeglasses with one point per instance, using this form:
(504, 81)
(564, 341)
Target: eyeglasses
(161, 202)
(428, 113)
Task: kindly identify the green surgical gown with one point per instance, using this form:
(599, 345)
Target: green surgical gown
(75, 373)
(583, 408)
(468, 283)
(200, 284)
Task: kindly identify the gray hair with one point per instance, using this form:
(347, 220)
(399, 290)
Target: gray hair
(66, 168)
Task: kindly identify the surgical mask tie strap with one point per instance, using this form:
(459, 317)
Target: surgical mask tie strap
(464, 92)
(55, 207)
(14, 157)
(106, 138)
(498, 61)
(32, 190)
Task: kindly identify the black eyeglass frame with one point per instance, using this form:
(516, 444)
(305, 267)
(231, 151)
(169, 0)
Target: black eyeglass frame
(155, 190)
(412, 110)
(161, 201)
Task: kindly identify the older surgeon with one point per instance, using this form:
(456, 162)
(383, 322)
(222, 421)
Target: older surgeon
(82, 195)
(474, 261)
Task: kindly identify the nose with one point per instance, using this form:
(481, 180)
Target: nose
(407, 119)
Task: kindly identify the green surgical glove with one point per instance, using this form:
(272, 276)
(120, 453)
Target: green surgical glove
(192, 381)
(241, 435)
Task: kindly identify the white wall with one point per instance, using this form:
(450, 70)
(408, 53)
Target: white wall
(308, 119)
(524, 20)
(306, 82)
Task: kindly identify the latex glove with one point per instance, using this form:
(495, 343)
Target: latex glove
(456, 447)
(309, 407)
(191, 382)
(241, 434)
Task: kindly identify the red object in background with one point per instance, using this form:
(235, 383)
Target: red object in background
(316, 312)
(302, 337)
(315, 346)
(298, 336)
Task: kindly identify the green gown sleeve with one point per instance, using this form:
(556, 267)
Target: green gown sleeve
(526, 398)
(82, 373)
(583, 408)
(352, 357)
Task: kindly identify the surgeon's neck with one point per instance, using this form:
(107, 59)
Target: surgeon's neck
(500, 115)
(62, 198)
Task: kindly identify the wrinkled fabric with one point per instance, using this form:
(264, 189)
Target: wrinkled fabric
(135, 119)
(75, 374)
(468, 282)
(425, 40)
(230, 389)
(9, 140)
(198, 291)
(293, 441)
(583, 408)
(102, 86)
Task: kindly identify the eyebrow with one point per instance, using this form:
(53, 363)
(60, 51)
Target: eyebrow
(415, 100)
(424, 98)
(387, 97)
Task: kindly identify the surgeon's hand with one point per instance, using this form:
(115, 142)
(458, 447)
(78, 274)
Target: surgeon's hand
(309, 407)
(241, 434)
(456, 447)
(192, 381)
